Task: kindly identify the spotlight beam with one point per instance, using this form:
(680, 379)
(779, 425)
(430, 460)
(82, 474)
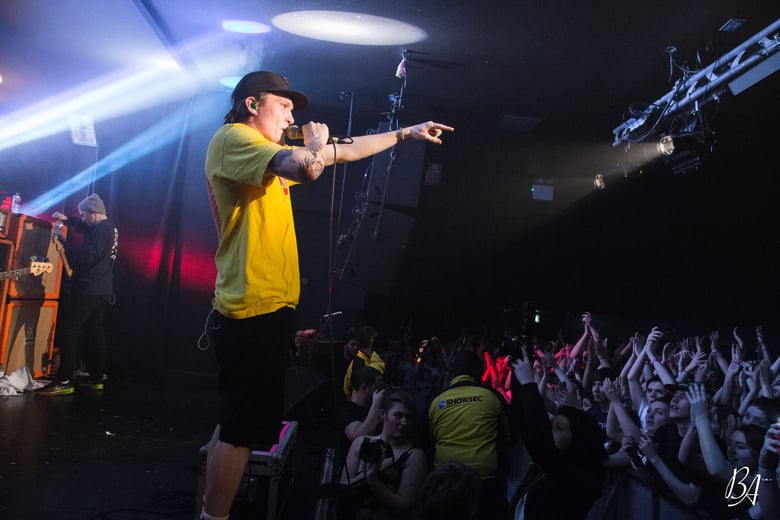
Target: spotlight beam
(113, 95)
(173, 127)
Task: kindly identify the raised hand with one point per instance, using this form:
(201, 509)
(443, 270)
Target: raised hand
(634, 342)
(653, 338)
(645, 444)
(521, 367)
(699, 401)
(767, 457)
(610, 391)
(566, 398)
(760, 334)
(666, 353)
(714, 340)
(601, 349)
(376, 398)
(701, 370)
(738, 339)
(734, 367)
(736, 353)
(697, 360)
(627, 443)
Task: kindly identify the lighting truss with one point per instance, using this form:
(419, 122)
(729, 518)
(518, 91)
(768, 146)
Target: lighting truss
(743, 66)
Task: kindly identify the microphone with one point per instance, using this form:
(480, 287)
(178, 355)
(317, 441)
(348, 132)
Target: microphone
(294, 132)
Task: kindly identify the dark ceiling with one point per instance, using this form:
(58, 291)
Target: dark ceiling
(534, 90)
(574, 65)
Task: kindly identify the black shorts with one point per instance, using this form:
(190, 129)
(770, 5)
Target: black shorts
(253, 354)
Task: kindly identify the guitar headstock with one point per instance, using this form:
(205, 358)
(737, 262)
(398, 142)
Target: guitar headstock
(40, 266)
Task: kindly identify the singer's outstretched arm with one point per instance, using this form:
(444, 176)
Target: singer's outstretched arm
(306, 163)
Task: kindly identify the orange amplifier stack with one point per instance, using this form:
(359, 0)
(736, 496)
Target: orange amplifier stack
(30, 277)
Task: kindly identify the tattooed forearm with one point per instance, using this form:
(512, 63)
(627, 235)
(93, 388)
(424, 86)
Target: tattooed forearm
(311, 167)
(302, 165)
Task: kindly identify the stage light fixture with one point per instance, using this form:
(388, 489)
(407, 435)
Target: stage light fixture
(743, 66)
(347, 27)
(599, 182)
(666, 145)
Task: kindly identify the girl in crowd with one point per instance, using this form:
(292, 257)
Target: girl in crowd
(385, 472)
(741, 457)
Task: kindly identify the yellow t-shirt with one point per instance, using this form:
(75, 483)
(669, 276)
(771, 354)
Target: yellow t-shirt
(466, 423)
(257, 256)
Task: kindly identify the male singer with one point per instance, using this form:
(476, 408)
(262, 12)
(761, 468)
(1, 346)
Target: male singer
(250, 172)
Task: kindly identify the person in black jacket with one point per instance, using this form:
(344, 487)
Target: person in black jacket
(82, 322)
(568, 475)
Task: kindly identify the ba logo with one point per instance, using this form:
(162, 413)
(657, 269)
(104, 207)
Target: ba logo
(737, 490)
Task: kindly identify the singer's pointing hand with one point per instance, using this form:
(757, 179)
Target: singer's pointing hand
(428, 131)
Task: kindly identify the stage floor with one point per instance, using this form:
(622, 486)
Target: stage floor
(128, 452)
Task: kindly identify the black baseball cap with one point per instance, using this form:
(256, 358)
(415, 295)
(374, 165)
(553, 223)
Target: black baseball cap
(254, 83)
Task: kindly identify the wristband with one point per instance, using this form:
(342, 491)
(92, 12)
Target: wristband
(399, 135)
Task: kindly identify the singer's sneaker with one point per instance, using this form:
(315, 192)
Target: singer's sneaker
(92, 383)
(57, 388)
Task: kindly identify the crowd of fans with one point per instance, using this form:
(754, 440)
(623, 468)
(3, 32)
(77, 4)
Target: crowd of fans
(430, 431)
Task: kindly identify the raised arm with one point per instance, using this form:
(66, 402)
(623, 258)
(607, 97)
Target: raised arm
(627, 424)
(687, 493)
(696, 361)
(730, 379)
(602, 353)
(367, 426)
(581, 343)
(762, 345)
(627, 366)
(590, 366)
(765, 379)
(700, 416)
(653, 339)
(753, 389)
(306, 163)
(634, 385)
(571, 387)
(723, 364)
(689, 446)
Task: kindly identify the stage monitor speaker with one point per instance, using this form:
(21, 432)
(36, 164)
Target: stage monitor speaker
(27, 335)
(33, 238)
(308, 397)
(401, 186)
(377, 249)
